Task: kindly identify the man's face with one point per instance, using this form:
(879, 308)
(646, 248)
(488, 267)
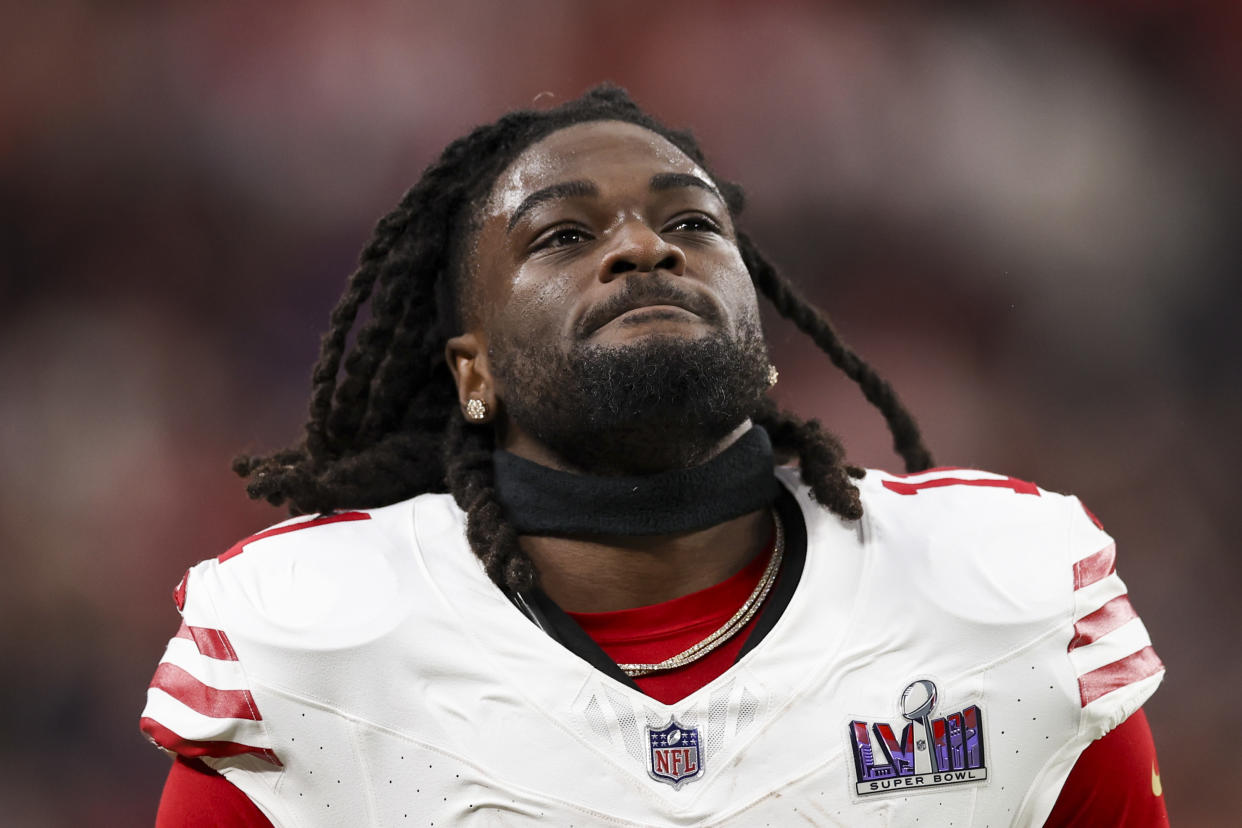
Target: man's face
(611, 302)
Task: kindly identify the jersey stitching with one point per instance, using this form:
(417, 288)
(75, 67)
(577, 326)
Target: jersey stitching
(368, 786)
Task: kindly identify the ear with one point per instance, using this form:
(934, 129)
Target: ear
(467, 359)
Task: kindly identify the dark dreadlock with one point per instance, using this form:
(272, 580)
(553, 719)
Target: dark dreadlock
(387, 426)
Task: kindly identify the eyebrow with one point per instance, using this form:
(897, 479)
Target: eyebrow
(671, 181)
(581, 188)
(565, 189)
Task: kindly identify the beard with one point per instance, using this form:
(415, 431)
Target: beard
(661, 403)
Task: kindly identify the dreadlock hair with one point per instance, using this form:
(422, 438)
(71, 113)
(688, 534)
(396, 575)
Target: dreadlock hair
(384, 423)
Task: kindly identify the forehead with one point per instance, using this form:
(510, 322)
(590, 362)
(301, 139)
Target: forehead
(592, 152)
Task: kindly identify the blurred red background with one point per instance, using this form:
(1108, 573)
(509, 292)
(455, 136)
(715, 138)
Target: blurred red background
(1022, 214)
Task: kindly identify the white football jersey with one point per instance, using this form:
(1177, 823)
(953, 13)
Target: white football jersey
(943, 660)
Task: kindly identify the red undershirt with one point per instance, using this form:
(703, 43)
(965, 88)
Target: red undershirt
(646, 635)
(1112, 783)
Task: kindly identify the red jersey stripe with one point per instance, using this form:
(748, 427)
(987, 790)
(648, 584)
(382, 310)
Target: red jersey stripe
(1095, 567)
(1104, 680)
(179, 592)
(1100, 623)
(169, 740)
(280, 530)
(1013, 483)
(218, 704)
(210, 642)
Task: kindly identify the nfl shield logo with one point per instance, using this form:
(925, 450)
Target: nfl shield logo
(674, 753)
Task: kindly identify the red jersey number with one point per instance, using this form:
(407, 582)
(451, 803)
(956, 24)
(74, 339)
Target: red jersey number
(1019, 486)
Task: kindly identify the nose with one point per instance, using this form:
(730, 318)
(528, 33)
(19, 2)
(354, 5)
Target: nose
(636, 248)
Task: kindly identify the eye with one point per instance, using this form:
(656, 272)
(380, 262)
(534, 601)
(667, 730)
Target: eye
(561, 237)
(695, 223)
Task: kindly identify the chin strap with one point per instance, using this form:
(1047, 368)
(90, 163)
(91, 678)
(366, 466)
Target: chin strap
(538, 500)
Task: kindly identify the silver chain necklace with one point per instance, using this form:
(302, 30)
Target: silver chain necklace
(731, 627)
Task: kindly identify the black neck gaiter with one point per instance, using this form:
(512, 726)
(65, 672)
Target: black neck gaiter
(538, 500)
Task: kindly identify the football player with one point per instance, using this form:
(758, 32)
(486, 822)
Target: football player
(557, 557)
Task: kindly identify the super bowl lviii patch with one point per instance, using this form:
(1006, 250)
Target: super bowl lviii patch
(674, 755)
(929, 752)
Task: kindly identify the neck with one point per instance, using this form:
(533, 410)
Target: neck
(612, 572)
(608, 543)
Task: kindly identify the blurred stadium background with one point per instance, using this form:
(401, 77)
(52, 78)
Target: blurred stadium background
(1022, 213)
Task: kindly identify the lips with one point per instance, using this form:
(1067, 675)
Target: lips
(661, 311)
(639, 294)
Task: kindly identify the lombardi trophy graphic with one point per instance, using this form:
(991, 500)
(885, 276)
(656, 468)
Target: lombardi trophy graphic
(917, 703)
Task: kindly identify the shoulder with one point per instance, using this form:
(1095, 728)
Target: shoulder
(314, 574)
(294, 606)
(999, 548)
(973, 508)
(978, 545)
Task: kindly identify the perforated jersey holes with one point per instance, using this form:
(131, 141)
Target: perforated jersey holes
(595, 717)
(748, 708)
